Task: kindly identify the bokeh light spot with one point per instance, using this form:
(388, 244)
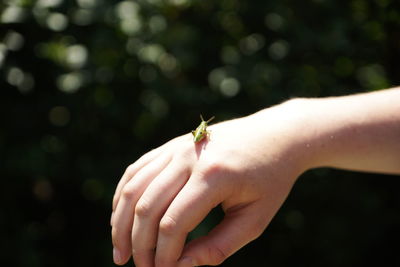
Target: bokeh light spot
(14, 40)
(229, 87)
(76, 56)
(24, 81)
(216, 76)
(87, 3)
(372, 77)
(57, 22)
(48, 3)
(130, 20)
(13, 14)
(230, 55)
(179, 2)
(155, 103)
(274, 21)
(252, 43)
(52, 144)
(59, 116)
(151, 53)
(278, 49)
(157, 23)
(82, 17)
(15, 76)
(168, 64)
(71, 82)
(3, 53)
(43, 190)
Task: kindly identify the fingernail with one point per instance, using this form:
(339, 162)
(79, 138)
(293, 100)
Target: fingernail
(117, 256)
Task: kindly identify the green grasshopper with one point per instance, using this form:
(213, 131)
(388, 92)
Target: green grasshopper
(201, 130)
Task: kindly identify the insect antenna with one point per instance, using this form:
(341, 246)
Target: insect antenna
(210, 119)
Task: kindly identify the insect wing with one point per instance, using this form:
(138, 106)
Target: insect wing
(199, 133)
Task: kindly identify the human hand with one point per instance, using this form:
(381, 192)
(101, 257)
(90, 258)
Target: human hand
(247, 165)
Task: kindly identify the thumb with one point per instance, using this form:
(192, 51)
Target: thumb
(236, 230)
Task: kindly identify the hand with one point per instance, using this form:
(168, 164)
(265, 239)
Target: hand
(247, 165)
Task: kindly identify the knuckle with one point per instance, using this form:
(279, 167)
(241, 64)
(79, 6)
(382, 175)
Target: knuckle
(213, 166)
(211, 169)
(114, 202)
(130, 169)
(146, 156)
(143, 208)
(168, 225)
(128, 192)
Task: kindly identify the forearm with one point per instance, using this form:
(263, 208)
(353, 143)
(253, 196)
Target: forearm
(247, 165)
(358, 132)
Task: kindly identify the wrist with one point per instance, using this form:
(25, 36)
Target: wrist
(287, 126)
(357, 132)
(307, 132)
(305, 145)
(320, 131)
(311, 132)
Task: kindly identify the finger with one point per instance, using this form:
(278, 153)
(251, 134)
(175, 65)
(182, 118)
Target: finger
(124, 212)
(131, 171)
(236, 230)
(187, 210)
(150, 208)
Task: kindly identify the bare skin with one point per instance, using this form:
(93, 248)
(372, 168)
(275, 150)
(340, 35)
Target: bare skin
(248, 166)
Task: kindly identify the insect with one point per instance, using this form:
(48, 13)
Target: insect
(201, 130)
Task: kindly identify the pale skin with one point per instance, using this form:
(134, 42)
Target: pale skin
(248, 166)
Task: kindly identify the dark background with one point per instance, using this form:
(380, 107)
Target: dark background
(87, 86)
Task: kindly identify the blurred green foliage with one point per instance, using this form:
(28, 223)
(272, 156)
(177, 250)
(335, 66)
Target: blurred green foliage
(87, 86)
